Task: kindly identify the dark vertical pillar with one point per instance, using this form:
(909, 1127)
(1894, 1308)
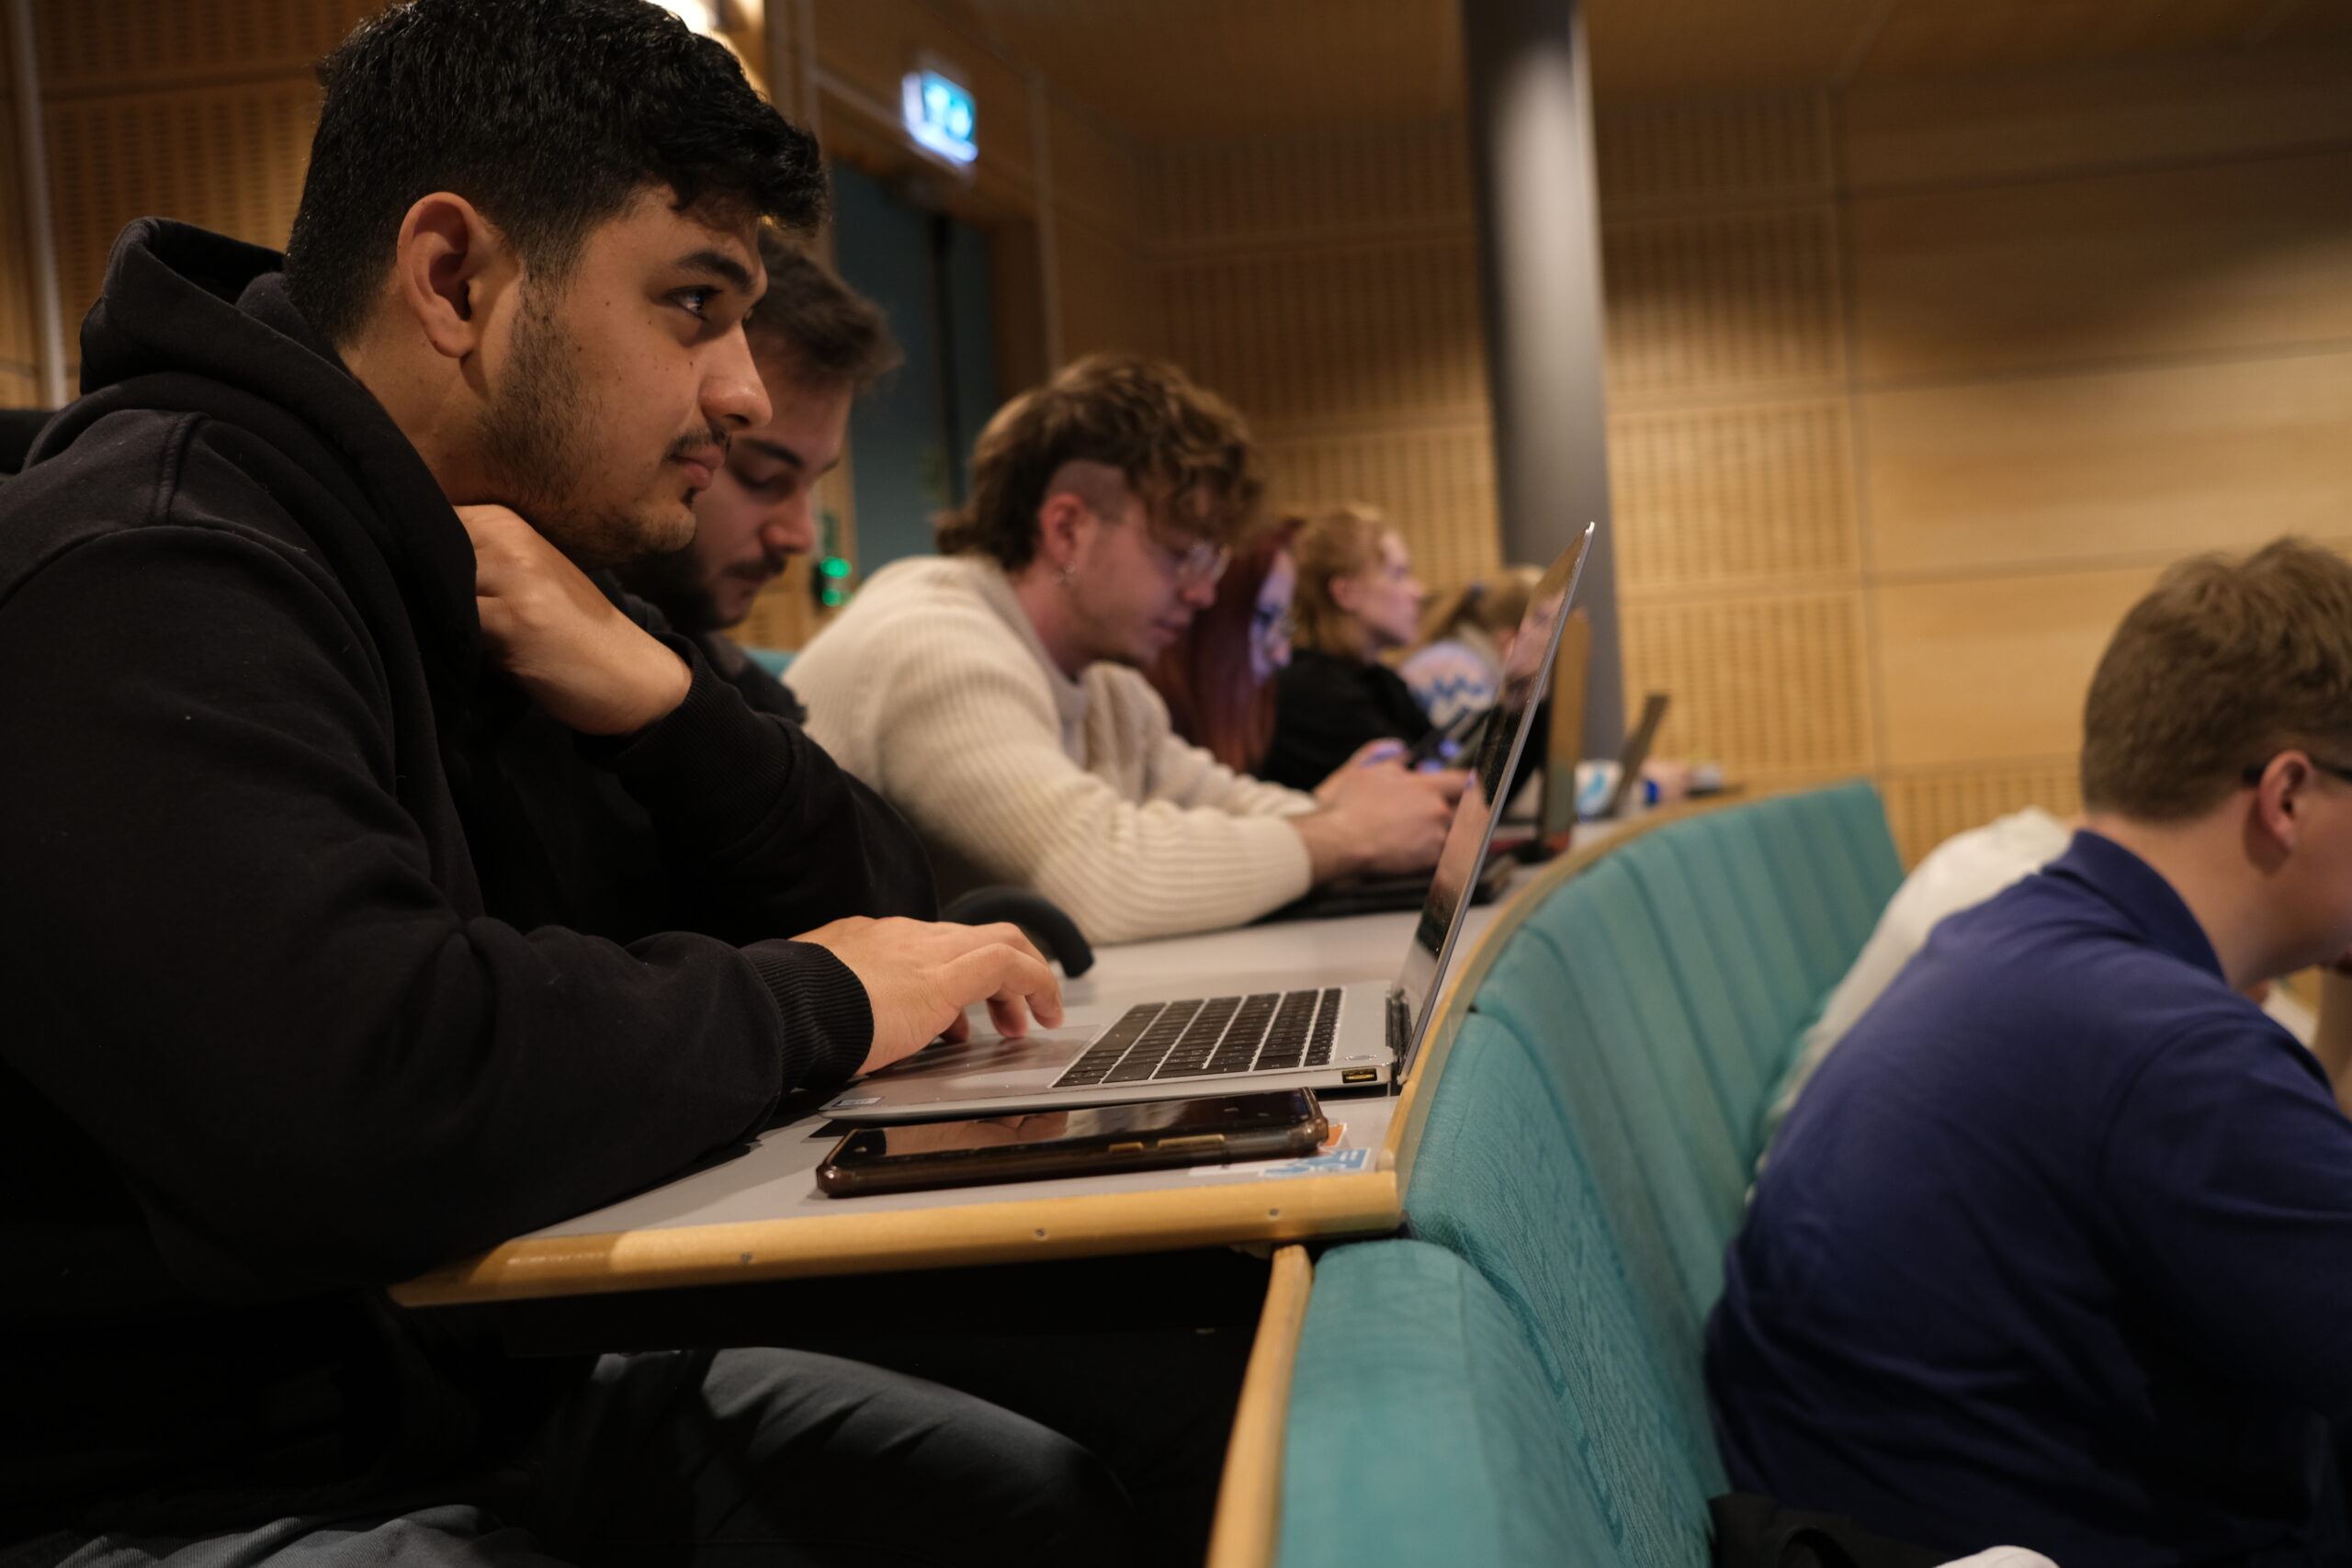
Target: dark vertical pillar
(1539, 219)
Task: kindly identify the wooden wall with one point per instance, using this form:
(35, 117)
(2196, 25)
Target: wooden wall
(19, 331)
(2099, 321)
(1328, 285)
(1913, 390)
(196, 109)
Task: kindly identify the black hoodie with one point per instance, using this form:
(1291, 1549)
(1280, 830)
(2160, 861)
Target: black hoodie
(324, 956)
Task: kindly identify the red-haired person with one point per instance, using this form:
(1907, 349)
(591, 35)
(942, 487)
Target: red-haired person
(1219, 678)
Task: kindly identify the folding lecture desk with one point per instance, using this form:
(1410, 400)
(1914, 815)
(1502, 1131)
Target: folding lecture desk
(743, 1250)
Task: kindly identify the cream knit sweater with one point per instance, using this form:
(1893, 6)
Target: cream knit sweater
(932, 687)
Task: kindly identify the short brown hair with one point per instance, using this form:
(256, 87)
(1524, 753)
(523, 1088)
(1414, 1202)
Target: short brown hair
(1341, 542)
(2224, 664)
(825, 332)
(1179, 447)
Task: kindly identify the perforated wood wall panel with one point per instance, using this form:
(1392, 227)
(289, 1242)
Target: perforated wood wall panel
(2143, 265)
(1187, 70)
(19, 335)
(1958, 37)
(1378, 331)
(226, 158)
(1714, 497)
(1926, 809)
(1719, 303)
(1313, 188)
(1107, 293)
(2178, 110)
(1328, 284)
(1774, 687)
(1436, 485)
(1660, 157)
(118, 46)
(1096, 176)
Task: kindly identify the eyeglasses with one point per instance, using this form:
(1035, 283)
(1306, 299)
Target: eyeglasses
(1269, 623)
(1203, 561)
(2254, 770)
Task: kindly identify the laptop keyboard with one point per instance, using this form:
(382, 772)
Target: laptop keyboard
(1269, 1031)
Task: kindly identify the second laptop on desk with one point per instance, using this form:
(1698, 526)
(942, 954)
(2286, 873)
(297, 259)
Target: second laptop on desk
(1308, 1035)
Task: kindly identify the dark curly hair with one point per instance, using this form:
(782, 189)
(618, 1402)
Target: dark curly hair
(1183, 450)
(550, 116)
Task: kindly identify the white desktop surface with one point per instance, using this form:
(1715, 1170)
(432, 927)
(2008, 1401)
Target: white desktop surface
(776, 1180)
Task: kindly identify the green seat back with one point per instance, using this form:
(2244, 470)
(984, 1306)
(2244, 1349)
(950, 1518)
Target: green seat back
(1586, 984)
(1423, 1429)
(1585, 1159)
(1810, 873)
(1503, 1179)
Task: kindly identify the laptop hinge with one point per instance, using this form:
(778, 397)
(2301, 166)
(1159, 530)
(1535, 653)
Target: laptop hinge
(1400, 1038)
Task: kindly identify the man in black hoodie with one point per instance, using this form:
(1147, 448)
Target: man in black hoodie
(377, 882)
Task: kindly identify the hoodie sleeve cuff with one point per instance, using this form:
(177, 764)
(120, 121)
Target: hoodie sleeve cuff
(828, 1021)
(712, 757)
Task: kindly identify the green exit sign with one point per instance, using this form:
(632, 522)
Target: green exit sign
(940, 115)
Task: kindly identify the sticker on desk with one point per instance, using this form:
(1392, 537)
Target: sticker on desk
(1330, 1164)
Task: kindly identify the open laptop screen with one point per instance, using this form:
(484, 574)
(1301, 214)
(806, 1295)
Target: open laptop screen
(1525, 674)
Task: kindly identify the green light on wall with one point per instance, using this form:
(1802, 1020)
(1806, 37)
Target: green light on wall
(832, 581)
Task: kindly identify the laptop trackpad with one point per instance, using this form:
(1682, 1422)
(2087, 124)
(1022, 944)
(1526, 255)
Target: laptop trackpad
(1018, 1064)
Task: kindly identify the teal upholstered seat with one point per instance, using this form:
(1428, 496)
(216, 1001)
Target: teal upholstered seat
(774, 660)
(1590, 1268)
(1422, 1428)
(1585, 1160)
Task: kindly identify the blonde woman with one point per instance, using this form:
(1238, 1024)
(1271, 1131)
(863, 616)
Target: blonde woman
(1357, 598)
(1456, 664)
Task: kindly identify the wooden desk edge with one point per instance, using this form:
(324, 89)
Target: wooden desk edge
(1286, 1208)
(1250, 1498)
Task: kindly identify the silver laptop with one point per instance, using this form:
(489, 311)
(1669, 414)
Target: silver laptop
(1304, 1036)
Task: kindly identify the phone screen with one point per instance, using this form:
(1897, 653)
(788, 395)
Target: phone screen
(1044, 1130)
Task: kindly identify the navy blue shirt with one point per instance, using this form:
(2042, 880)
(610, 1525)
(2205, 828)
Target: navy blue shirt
(2056, 1251)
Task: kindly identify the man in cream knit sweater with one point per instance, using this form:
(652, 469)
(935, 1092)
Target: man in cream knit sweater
(992, 692)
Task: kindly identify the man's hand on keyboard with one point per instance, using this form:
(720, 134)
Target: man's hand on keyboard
(920, 976)
(1379, 818)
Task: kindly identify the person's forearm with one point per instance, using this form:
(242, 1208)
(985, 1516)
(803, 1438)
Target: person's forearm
(779, 837)
(1333, 848)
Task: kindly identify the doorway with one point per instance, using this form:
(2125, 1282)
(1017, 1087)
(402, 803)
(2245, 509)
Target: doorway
(911, 437)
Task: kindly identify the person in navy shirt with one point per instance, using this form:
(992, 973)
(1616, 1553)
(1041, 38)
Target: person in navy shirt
(2057, 1251)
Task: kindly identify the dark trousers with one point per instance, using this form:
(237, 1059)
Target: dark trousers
(776, 1457)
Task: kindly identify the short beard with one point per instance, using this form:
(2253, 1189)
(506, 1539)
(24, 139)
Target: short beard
(535, 439)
